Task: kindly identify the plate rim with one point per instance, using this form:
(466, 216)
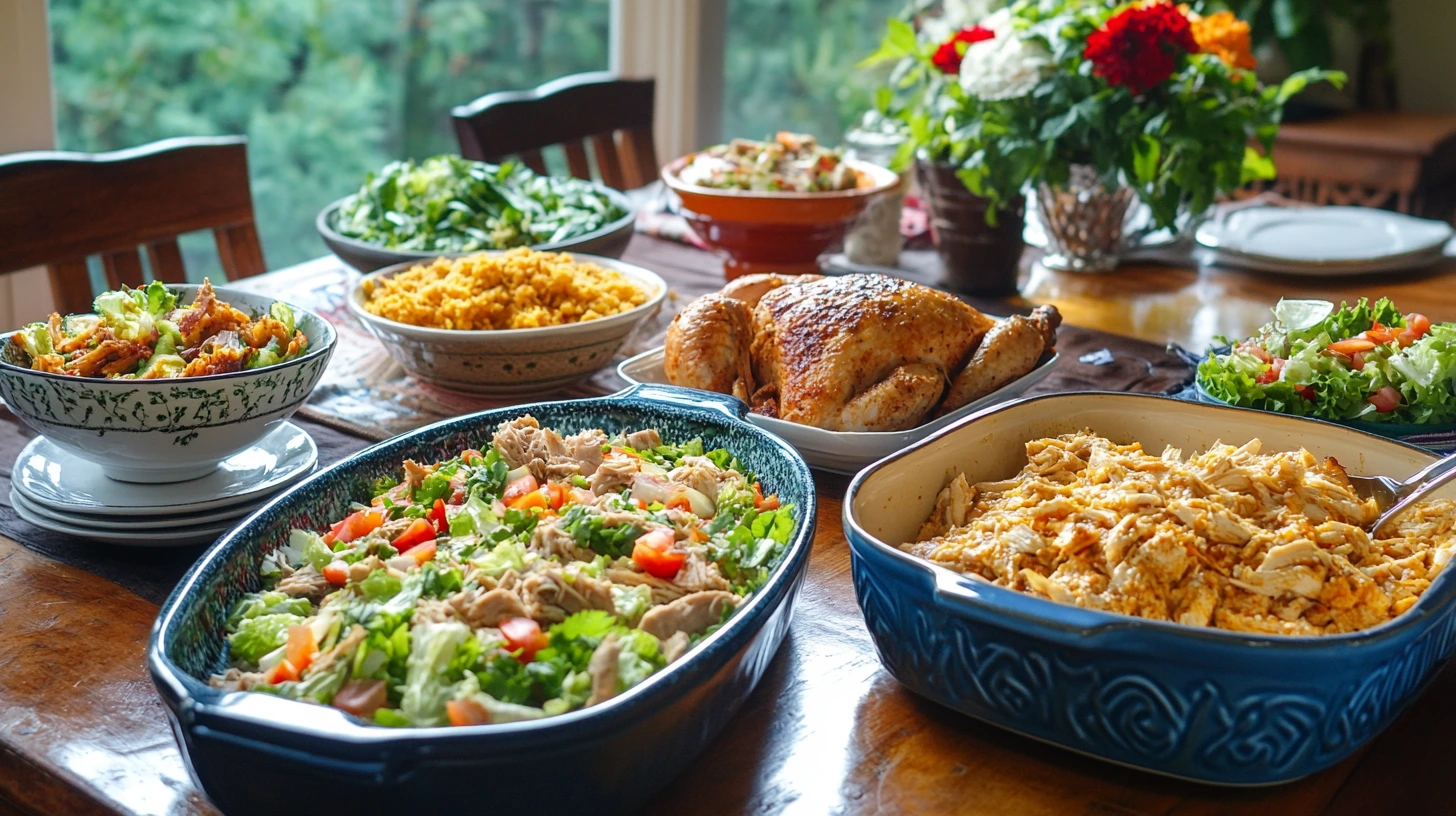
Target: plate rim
(310, 462)
(1211, 235)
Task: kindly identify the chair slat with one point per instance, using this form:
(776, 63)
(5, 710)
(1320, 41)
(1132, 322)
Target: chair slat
(165, 258)
(640, 147)
(576, 161)
(123, 267)
(608, 162)
(241, 254)
(70, 286)
(534, 160)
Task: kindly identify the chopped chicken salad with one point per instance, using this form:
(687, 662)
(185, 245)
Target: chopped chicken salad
(546, 574)
(144, 334)
(791, 163)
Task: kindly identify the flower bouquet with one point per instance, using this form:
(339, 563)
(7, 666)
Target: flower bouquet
(1095, 104)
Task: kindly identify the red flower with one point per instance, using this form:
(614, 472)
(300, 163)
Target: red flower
(1139, 47)
(948, 56)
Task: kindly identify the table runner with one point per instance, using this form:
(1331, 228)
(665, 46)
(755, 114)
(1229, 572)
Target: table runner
(365, 396)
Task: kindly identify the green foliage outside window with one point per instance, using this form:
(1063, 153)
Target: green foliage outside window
(326, 90)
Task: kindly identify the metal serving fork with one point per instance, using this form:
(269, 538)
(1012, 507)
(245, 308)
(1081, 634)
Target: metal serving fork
(1394, 497)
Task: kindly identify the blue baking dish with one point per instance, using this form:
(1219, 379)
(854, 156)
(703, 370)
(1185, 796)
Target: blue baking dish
(1201, 704)
(255, 753)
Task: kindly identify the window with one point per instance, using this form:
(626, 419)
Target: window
(790, 65)
(326, 90)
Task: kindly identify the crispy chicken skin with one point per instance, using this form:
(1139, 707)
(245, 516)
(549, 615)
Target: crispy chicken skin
(851, 353)
(708, 346)
(861, 352)
(1009, 350)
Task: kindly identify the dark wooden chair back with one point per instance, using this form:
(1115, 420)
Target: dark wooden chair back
(57, 209)
(613, 115)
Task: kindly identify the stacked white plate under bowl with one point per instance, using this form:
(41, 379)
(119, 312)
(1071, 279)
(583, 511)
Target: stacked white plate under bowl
(63, 493)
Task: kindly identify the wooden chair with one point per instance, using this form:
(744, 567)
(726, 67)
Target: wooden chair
(59, 208)
(613, 115)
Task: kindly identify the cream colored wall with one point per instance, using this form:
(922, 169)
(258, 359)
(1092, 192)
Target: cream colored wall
(1425, 53)
(28, 123)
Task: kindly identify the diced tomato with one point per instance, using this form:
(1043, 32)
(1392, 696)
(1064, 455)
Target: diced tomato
(762, 503)
(469, 455)
(523, 634)
(361, 697)
(520, 487)
(680, 503)
(576, 495)
(1306, 391)
(358, 525)
(1351, 346)
(1378, 334)
(302, 646)
(282, 672)
(1357, 361)
(1385, 400)
(641, 505)
(337, 573)
(655, 553)
(466, 712)
(423, 552)
(555, 495)
(1255, 350)
(1418, 323)
(1271, 374)
(437, 517)
(417, 533)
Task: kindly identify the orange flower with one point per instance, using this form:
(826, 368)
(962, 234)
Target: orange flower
(1226, 37)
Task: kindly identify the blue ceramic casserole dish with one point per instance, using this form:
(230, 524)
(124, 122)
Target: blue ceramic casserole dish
(255, 753)
(1201, 704)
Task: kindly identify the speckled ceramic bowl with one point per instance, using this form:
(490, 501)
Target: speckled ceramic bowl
(254, 753)
(510, 362)
(173, 429)
(1203, 704)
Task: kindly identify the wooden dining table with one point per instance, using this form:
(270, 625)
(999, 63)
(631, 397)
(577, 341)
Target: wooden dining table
(827, 731)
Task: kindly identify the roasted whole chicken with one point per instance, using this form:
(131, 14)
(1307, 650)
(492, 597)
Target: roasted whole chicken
(851, 353)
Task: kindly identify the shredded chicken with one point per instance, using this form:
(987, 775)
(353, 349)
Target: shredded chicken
(480, 607)
(306, 582)
(690, 613)
(603, 670)
(1230, 538)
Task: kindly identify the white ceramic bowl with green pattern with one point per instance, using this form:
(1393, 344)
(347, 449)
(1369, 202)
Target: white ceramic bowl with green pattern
(168, 430)
(510, 362)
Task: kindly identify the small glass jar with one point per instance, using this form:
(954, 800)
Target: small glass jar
(875, 238)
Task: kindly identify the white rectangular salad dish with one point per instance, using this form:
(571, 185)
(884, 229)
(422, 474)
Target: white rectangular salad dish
(844, 451)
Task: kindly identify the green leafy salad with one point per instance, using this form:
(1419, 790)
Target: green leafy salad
(450, 204)
(544, 575)
(1366, 361)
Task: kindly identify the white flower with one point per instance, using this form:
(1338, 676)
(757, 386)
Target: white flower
(1004, 68)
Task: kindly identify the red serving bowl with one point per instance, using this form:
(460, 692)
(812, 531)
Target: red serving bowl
(762, 231)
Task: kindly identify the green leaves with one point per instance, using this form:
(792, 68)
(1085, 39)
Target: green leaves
(450, 204)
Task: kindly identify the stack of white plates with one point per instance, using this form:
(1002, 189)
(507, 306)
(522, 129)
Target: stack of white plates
(1324, 240)
(57, 491)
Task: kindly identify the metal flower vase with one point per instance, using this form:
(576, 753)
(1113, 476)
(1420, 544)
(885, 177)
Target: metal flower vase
(1084, 221)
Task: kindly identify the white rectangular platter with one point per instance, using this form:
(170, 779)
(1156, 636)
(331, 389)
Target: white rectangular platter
(844, 451)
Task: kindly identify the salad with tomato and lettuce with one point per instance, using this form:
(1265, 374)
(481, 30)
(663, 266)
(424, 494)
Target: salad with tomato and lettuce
(546, 574)
(1367, 361)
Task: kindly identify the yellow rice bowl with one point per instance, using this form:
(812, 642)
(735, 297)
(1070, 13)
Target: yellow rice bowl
(520, 289)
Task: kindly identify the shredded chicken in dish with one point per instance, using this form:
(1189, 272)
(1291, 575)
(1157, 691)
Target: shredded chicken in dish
(1230, 538)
